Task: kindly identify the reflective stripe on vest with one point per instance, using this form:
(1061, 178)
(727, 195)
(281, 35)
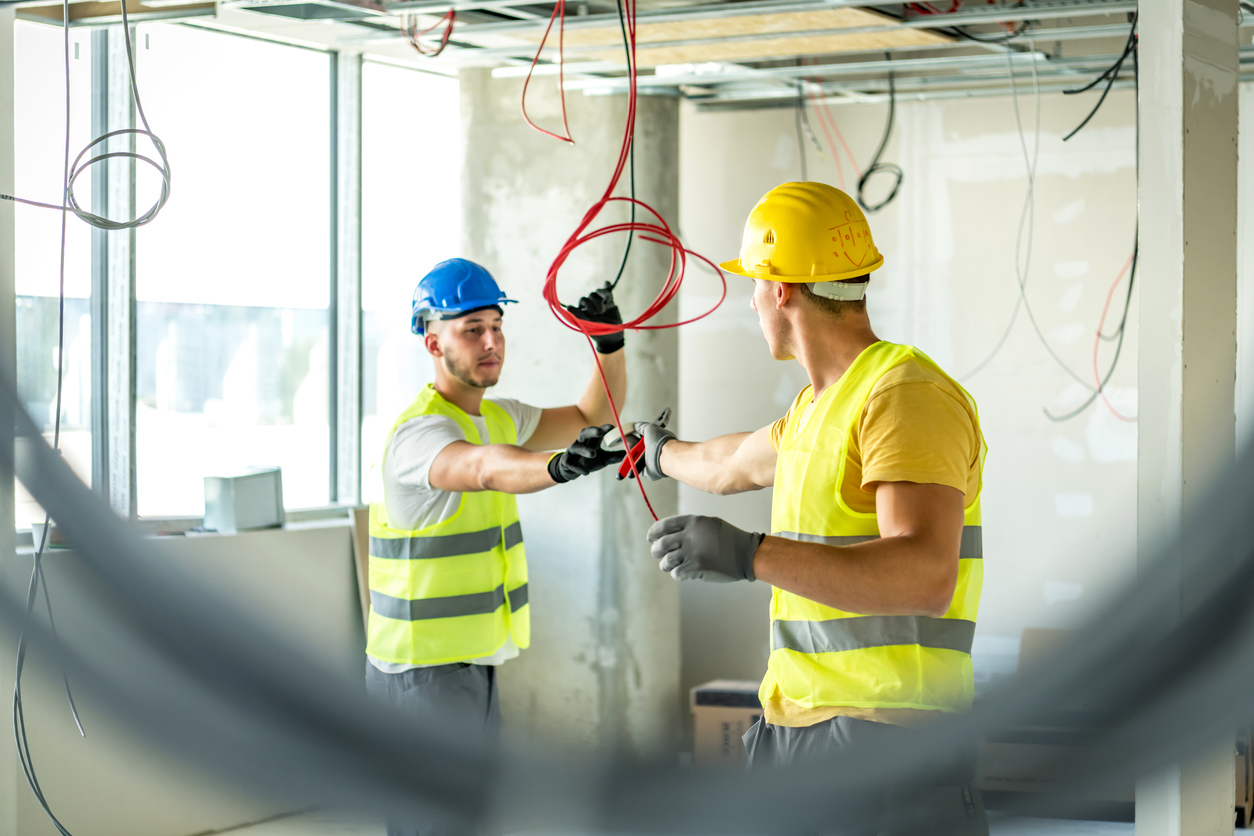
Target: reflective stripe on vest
(448, 545)
(822, 656)
(860, 632)
(456, 590)
(478, 603)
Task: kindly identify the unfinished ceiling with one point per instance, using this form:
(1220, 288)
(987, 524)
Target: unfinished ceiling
(723, 54)
(754, 36)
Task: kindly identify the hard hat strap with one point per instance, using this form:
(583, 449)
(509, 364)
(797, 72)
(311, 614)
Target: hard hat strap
(840, 291)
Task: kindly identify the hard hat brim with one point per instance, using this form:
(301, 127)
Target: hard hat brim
(734, 266)
(419, 314)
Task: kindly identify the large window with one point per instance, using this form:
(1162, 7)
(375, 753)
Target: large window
(233, 278)
(411, 219)
(40, 146)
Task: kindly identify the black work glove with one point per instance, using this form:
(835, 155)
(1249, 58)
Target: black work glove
(693, 548)
(584, 456)
(598, 306)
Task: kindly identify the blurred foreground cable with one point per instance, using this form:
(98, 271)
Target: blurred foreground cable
(201, 676)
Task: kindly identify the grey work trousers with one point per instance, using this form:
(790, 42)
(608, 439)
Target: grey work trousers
(440, 695)
(906, 810)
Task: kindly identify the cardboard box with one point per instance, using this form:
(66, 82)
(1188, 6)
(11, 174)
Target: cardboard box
(722, 711)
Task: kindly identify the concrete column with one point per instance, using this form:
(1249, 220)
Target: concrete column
(9, 569)
(1188, 256)
(603, 668)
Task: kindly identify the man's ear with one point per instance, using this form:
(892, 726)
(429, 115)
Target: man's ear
(783, 292)
(432, 344)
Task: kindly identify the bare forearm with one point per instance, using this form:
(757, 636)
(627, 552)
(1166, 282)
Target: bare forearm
(593, 404)
(709, 465)
(494, 467)
(904, 575)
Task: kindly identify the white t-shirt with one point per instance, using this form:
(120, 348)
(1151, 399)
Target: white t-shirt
(412, 502)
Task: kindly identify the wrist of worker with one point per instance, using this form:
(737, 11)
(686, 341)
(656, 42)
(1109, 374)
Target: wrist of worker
(554, 467)
(765, 557)
(670, 445)
(610, 344)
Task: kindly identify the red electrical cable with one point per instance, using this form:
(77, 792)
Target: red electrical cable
(412, 35)
(559, 13)
(832, 117)
(814, 105)
(824, 112)
(655, 231)
(929, 9)
(1098, 341)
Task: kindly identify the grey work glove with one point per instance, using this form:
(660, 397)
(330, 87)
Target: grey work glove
(696, 548)
(655, 436)
(585, 456)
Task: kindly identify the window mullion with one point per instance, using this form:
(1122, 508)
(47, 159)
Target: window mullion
(99, 269)
(346, 283)
(119, 349)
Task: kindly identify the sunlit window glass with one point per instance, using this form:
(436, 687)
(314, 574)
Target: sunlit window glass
(233, 279)
(411, 219)
(40, 147)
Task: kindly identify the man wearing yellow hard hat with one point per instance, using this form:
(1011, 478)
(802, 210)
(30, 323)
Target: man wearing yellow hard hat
(875, 554)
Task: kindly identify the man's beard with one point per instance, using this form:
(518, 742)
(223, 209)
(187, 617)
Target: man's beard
(468, 373)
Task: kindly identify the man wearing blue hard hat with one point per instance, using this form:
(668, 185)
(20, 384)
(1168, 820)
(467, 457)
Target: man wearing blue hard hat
(448, 572)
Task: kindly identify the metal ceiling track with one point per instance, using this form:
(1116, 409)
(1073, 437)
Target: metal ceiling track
(1042, 10)
(961, 67)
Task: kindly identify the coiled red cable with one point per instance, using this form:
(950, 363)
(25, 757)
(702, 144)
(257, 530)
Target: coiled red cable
(655, 231)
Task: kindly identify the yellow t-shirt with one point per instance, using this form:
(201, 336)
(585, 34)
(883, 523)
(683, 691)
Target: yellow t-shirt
(916, 427)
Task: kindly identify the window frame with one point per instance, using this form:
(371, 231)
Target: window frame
(113, 293)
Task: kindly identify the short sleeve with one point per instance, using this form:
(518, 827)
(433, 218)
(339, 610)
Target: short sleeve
(777, 432)
(804, 397)
(919, 431)
(525, 417)
(414, 446)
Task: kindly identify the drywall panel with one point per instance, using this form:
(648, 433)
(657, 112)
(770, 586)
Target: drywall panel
(301, 583)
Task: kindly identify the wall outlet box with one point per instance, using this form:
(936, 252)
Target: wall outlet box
(249, 500)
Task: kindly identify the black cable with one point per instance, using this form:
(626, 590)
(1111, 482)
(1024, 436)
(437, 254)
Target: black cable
(1119, 335)
(1110, 75)
(960, 32)
(631, 153)
(25, 757)
(1127, 304)
(876, 166)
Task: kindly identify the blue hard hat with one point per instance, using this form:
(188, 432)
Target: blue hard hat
(453, 288)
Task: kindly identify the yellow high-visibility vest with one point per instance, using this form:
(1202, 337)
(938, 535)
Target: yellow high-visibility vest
(456, 590)
(822, 656)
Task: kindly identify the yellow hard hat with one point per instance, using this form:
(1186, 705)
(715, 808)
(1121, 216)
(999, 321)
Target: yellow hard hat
(806, 232)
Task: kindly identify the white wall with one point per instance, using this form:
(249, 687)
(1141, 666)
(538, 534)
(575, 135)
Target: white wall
(1059, 499)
